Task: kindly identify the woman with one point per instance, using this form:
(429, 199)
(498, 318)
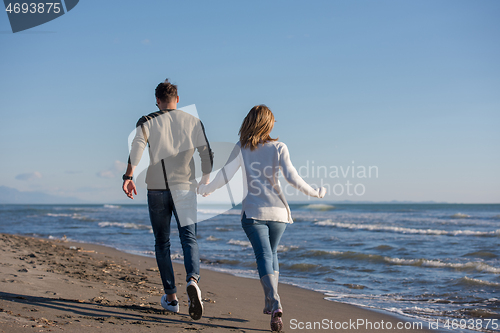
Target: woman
(265, 212)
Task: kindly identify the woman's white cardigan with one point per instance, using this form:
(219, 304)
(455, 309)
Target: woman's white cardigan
(263, 196)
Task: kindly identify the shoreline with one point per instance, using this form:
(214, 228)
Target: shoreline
(62, 285)
(228, 271)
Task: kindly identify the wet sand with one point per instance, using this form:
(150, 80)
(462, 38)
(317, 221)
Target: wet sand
(53, 285)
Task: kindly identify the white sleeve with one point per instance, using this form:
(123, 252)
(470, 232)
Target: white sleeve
(292, 176)
(225, 174)
(138, 144)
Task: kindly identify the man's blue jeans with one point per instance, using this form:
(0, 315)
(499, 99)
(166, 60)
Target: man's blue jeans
(161, 207)
(265, 237)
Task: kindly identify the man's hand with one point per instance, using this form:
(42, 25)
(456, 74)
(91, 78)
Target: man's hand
(205, 179)
(129, 188)
(201, 190)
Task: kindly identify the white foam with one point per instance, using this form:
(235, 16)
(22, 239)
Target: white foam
(59, 215)
(319, 207)
(283, 248)
(480, 282)
(460, 216)
(176, 256)
(125, 225)
(112, 206)
(377, 227)
(240, 243)
(246, 273)
(74, 216)
(476, 265)
(421, 310)
(223, 229)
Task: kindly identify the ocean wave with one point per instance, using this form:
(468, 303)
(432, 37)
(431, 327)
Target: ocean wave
(302, 267)
(320, 253)
(459, 216)
(212, 238)
(350, 255)
(146, 253)
(59, 215)
(418, 311)
(74, 216)
(223, 229)
(125, 225)
(240, 243)
(472, 265)
(383, 247)
(377, 227)
(246, 273)
(112, 206)
(320, 207)
(471, 281)
(481, 254)
(284, 248)
(354, 286)
(176, 256)
(82, 218)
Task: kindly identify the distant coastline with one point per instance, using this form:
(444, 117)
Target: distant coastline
(12, 196)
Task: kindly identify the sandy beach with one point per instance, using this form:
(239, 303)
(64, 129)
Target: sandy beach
(53, 285)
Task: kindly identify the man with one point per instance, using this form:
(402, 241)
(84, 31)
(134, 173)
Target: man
(172, 136)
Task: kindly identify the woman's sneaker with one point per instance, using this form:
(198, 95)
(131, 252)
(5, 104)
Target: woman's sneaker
(172, 306)
(276, 322)
(195, 302)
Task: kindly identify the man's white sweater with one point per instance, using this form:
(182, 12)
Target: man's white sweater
(173, 136)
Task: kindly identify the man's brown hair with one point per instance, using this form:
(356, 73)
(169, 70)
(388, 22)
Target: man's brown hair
(166, 91)
(256, 127)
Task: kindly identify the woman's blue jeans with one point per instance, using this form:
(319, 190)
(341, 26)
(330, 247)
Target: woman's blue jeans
(265, 237)
(161, 207)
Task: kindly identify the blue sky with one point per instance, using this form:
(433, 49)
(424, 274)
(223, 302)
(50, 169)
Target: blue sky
(411, 87)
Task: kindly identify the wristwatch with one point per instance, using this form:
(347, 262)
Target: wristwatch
(127, 177)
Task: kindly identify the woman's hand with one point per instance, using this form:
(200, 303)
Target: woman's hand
(202, 190)
(321, 192)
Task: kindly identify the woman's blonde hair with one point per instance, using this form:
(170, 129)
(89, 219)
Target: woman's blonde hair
(256, 127)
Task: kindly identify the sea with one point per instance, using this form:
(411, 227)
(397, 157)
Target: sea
(427, 262)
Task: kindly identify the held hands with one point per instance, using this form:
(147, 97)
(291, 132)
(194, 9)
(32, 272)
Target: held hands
(202, 189)
(321, 192)
(205, 179)
(129, 188)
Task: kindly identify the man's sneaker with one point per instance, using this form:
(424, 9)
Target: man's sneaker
(195, 302)
(172, 306)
